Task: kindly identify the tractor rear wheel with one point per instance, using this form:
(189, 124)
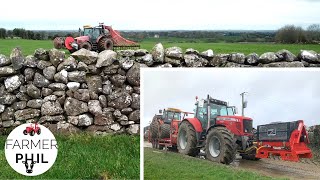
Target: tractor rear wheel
(154, 127)
(220, 145)
(86, 45)
(32, 133)
(187, 140)
(39, 132)
(105, 44)
(25, 132)
(164, 131)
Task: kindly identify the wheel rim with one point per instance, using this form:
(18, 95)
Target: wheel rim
(183, 139)
(214, 147)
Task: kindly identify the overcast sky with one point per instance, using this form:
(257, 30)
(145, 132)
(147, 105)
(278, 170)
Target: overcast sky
(159, 15)
(274, 94)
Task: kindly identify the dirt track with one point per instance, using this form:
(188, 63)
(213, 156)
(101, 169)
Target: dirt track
(306, 169)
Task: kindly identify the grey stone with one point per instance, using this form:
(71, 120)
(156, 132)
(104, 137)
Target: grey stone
(126, 53)
(17, 58)
(219, 60)
(174, 53)
(43, 64)
(12, 83)
(19, 105)
(166, 65)
(126, 111)
(112, 69)
(31, 61)
(7, 124)
(94, 83)
(50, 98)
(252, 58)
(49, 72)
(85, 120)
(146, 59)
(135, 101)
(40, 80)
(115, 127)
(2, 107)
(77, 76)
(51, 108)
(7, 71)
(33, 91)
(134, 129)
(86, 56)
(7, 99)
(41, 54)
(82, 95)
(135, 116)
(4, 60)
(74, 107)
(94, 107)
(119, 100)
(309, 56)
(57, 86)
(133, 75)
(29, 74)
(268, 57)
(237, 58)
(118, 80)
(107, 89)
(285, 64)
(208, 54)
(57, 118)
(141, 52)
(106, 58)
(285, 55)
(56, 56)
(69, 64)
(126, 64)
(117, 113)
(104, 119)
(192, 51)
(82, 67)
(35, 103)
(174, 62)
(46, 91)
(61, 76)
(26, 114)
(103, 101)
(73, 86)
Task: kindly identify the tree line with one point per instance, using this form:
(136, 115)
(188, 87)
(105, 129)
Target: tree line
(30, 34)
(296, 34)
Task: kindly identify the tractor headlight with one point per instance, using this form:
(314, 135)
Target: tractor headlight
(74, 45)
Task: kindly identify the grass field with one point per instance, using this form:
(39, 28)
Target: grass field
(162, 165)
(28, 46)
(87, 157)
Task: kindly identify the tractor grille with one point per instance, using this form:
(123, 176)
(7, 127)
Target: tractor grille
(276, 131)
(247, 126)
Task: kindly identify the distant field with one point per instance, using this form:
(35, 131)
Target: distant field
(28, 46)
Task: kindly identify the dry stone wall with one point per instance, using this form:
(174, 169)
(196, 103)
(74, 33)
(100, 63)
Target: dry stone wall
(100, 92)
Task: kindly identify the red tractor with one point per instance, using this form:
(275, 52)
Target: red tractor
(97, 38)
(32, 129)
(216, 129)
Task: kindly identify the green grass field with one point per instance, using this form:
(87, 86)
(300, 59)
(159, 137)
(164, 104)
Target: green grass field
(168, 165)
(28, 46)
(87, 157)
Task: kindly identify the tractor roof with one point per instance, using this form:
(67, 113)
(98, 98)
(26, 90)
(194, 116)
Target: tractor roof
(174, 110)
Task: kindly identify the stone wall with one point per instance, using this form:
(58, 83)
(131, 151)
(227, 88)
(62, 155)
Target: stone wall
(100, 92)
(86, 91)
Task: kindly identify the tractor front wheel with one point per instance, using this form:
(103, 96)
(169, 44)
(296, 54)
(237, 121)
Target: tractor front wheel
(25, 132)
(32, 133)
(86, 45)
(105, 44)
(220, 145)
(39, 132)
(187, 140)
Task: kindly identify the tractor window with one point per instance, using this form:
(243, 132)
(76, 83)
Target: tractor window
(87, 32)
(177, 116)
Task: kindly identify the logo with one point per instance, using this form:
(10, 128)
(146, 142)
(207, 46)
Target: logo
(271, 132)
(31, 149)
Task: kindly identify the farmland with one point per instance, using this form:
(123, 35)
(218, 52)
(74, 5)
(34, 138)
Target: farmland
(87, 157)
(28, 46)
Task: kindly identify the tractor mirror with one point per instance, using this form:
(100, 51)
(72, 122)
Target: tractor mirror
(160, 111)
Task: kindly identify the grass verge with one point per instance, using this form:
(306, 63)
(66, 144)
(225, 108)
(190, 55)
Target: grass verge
(87, 157)
(168, 165)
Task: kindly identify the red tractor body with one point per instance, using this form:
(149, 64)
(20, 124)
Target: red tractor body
(32, 129)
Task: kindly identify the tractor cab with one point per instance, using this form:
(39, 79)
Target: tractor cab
(213, 112)
(171, 114)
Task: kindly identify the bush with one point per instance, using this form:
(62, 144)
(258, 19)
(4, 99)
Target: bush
(291, 34)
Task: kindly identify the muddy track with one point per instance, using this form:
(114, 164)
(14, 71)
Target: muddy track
(274, 167)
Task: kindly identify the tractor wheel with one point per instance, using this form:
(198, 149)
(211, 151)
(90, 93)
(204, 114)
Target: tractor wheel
(32, 133)
(105, 44)
(25, 132)
(251, 157)
(164, 131)
(39, 132)
(187, 141)
(220, 145)
(154, 127)
(86, 45)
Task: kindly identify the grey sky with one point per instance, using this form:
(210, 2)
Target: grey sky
(159, 15)
(274, 94)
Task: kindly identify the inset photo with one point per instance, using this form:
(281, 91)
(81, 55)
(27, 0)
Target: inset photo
(230, 124)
